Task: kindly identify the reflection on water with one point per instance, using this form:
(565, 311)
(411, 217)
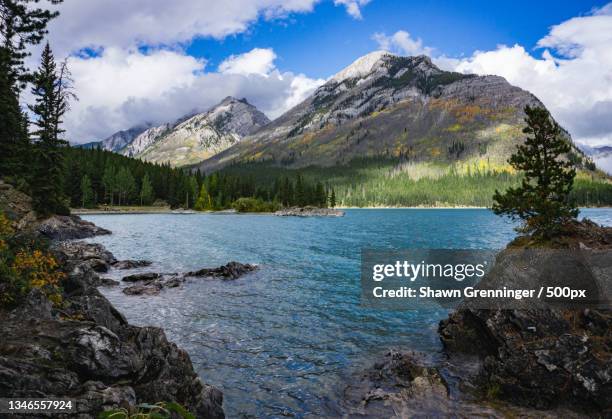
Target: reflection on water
(282, 340)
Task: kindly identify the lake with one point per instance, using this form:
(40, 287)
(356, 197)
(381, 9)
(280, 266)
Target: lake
(284, 340)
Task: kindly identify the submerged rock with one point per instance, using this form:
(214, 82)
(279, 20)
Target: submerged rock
(147, 276)
(131, 264)
(309, 212)
(232, 270)
(151, 289)
(68, 227)
(108, 282)
(400, 385)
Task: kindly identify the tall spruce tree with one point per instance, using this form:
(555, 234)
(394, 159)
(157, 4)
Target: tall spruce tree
(542, 200)
(51, 102)
(87, 193)
(22, 24)
(332, 198)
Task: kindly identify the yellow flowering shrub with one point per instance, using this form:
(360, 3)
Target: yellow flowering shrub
(40, 270)
(23, 267)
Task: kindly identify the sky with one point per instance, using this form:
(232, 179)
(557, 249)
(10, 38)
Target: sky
(152, 61)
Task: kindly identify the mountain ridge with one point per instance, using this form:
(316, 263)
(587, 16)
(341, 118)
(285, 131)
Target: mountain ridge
(384, 105)
(189, 139)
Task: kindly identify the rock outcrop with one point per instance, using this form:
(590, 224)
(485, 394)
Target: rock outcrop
(86, 351)
(309, 212)
(69, 227)
(151, 283)
(543, 358)
(17, 207)
(232, 270)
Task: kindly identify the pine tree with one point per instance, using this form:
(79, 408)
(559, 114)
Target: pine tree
(51, 102)
(21, 25)
(109, 181)
(332, 199)
(87, 193)
(300, 193)
(320, 195)
(542, 200)
(146, 191)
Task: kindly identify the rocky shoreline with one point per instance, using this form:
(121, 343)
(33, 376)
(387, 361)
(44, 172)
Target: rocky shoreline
(529, 362)
(84, 349)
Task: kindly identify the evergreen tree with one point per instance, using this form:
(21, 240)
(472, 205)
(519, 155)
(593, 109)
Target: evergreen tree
(87, 193)
(320, 195)
(300, 193)
(109, 180)
(146, 191)
(332, 199)
(21, 25)
(126, 185)
(542, 200)
(49, 107)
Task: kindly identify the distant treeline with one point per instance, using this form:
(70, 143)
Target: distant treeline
(385, 182)
(96, 177)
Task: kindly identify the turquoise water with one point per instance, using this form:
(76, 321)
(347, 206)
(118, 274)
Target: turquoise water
(284, 340)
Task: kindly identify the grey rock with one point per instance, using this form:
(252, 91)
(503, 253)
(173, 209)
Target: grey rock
(150, 289)
(537, 356)
(147, 276)
(88, 352)
(131, 264)
(64, 227)
(232, 270)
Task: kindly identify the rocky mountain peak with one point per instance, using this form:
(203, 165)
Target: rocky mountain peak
(362, 66)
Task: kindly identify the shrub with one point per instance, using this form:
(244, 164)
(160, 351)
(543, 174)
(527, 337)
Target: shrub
(26, 264)
(254, 205)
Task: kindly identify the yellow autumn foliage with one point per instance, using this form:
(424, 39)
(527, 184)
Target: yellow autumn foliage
(24, 268)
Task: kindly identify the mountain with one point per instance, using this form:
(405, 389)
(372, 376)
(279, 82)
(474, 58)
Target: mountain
(118, 141)
(197, 137)
(602, 156)
(145, 139)
(392, 107)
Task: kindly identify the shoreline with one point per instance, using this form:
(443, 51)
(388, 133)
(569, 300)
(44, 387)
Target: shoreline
(78, 211)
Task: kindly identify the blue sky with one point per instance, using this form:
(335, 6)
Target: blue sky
(156, 60)
(326, 40)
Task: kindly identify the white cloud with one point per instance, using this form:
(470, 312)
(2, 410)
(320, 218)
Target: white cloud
(257, 61)
(572, 75)
(122, 88)
(401, 42)
(125, 24)
(121, 23)
(353, 7)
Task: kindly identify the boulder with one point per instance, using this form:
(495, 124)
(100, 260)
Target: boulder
(93, 255)
(131, 264)
(151, 289)
(17, 207)
(232, 270)
(147, 276)
(68, 227)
